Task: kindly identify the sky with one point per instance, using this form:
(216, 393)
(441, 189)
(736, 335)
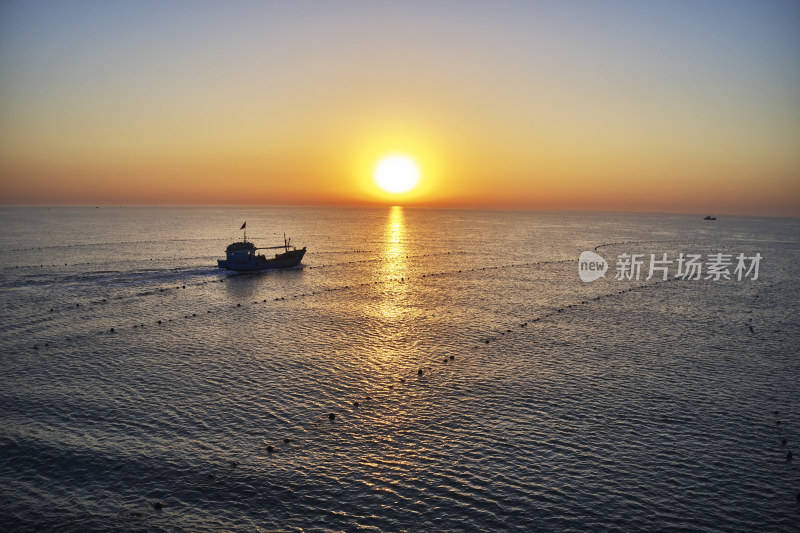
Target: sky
(665, 106)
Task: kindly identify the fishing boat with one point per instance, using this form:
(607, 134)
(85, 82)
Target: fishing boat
(242, 256)
(709, 217)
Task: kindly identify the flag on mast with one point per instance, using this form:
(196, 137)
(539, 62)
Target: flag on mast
(244, 225)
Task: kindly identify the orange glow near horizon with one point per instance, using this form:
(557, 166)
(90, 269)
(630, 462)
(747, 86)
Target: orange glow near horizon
(530, 107)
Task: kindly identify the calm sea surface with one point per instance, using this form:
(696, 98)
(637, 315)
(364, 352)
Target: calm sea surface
(544, 403)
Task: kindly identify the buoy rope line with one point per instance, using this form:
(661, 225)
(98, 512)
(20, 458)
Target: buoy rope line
(209, 259)
(341, 288)
(164, 289)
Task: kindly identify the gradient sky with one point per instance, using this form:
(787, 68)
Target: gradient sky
(678, 106)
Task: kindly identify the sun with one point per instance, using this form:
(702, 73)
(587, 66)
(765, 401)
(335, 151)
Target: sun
(396, 174)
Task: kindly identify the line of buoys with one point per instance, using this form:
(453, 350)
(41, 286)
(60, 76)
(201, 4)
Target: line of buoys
(345, 287)
(486, 340)
(789, 454)
(332, 416)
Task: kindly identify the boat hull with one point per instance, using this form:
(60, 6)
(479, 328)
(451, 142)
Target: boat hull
(288, 259)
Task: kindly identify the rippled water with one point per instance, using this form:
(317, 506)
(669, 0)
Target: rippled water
(544, 403)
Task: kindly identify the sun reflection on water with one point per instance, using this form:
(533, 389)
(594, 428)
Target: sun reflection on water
(394, 264)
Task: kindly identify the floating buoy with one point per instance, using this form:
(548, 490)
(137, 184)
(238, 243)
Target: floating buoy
(356, 404)
(158, 506)
(112, 330)
(211, 475)
(419, 372)
(270, 449)
(332, 416)
(452, 357)
(287, 441)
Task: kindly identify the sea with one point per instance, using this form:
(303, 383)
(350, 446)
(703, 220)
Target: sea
(421, 370)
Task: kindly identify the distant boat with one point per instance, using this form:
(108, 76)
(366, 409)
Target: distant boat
(242, 256)
(709, 217)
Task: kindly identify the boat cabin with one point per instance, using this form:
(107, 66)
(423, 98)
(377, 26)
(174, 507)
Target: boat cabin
(240, 251)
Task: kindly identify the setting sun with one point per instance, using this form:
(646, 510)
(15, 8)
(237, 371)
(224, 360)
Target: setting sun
(396, 174)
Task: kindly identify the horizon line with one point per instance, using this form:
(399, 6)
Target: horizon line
(375, 205)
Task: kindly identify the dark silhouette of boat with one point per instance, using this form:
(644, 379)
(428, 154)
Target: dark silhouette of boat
(709, 217)
(242, 256)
